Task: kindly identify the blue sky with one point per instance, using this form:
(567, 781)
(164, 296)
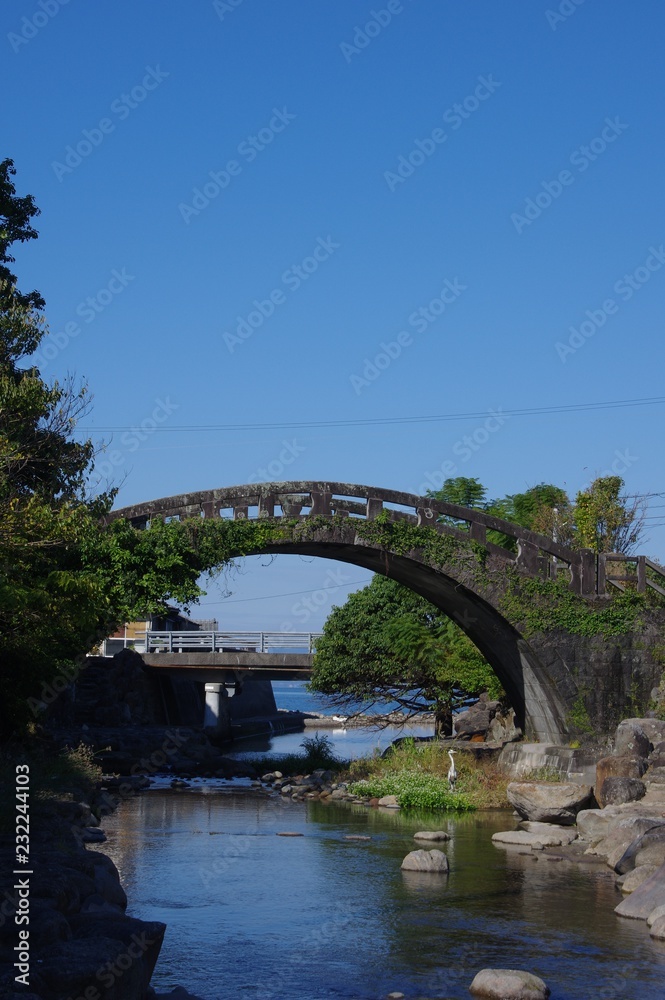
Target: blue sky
(245, 205)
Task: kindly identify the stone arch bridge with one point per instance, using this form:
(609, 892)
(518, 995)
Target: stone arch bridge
(546, 676)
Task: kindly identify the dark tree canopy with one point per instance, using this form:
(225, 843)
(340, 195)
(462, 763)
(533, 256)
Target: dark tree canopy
(388, 644)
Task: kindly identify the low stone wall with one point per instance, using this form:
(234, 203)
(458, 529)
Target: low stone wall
(518, 760)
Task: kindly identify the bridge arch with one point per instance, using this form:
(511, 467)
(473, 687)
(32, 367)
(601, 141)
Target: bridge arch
(330, 520)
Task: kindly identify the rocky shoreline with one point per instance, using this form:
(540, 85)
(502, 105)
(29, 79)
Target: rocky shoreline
(618, 823)
(83, 944)
(80, 942)
(73, 938)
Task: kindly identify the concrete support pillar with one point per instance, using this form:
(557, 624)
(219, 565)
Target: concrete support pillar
(216, 720)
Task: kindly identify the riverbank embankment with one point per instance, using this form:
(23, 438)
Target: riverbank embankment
(63, 925)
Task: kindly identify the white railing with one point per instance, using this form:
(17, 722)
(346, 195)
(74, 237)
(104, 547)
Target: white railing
(219, 642)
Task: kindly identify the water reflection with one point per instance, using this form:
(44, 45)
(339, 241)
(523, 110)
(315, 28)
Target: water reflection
(321, 916)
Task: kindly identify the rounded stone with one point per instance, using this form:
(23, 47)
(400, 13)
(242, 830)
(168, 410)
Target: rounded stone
(431, 835)
(508, 984)
(425, 861)
(616, 791)
(631, 739)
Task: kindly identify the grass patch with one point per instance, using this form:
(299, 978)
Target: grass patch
(72, 772)
(414, 790)
(417, 774)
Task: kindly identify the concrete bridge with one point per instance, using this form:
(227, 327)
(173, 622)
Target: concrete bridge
(544, 676)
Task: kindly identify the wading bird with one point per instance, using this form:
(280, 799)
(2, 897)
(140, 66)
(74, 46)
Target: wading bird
(452, 773)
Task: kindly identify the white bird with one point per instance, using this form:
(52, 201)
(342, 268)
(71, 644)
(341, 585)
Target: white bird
(452, 773)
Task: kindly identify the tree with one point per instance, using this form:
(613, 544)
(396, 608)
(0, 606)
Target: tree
(462, 490)
(66, 578)
(604, 520)
(388, 644)
(543, 508)
(600, 519)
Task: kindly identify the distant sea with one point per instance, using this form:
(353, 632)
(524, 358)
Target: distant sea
(346, 743)
(294, 696)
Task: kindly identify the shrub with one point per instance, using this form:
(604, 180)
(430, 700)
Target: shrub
(414, 790)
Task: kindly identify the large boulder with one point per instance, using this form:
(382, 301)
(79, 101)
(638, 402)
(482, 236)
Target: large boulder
(476, 720)
(652, 838)
(594, 824)
(631, 739)
(548, 802)
(387, 801)
(654, 729)
(141, 940)
(425, 861)
(70, 968)
(656, 915)
(625, 766)
(616, 791)
(508, 984)
(641, 903)
(623, 831)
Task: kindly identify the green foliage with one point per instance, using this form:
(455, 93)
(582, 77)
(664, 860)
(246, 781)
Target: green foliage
(543, 508)
(73, 772)
(578, 716)
(389, 644)
(536, 606)
(414, 790)
(319, 753)
(604, 521)
(66, 579)
(480, 780)
(600, 519)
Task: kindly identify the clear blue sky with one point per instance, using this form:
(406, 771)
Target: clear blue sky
(499, 161)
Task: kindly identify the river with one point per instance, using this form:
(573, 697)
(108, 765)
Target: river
(347, 743)
(252, 914)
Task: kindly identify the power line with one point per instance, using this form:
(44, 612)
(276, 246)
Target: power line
(270, 597)
(385, 421)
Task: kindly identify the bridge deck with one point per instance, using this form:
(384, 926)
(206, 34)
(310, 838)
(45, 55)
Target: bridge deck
(213, 666)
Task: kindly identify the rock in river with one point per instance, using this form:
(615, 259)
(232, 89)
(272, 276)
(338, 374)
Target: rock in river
(431, 835)
(425, 861)
(508, 984)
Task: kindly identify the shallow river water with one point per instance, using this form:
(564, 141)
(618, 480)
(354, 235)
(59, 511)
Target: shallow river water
(252, 914)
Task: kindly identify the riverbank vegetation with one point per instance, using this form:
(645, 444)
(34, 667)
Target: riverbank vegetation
(417, 774)
(72, 772)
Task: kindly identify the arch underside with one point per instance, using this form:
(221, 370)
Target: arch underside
(539, 709)
(540, 687)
